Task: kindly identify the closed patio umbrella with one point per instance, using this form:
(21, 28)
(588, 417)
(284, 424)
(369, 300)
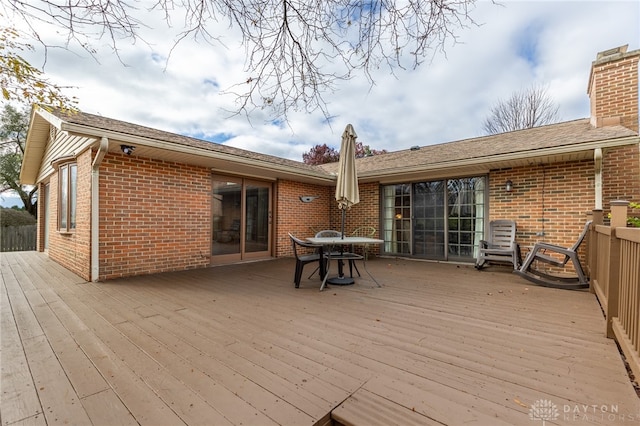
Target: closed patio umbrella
(347, 193)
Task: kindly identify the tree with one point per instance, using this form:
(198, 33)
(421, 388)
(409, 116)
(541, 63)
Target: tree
(523, 110)
(20, 82)
(366, 151)
(296, 50)
(322, 154)
(13, 133)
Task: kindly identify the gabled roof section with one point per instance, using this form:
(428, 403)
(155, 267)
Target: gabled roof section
(40, 123)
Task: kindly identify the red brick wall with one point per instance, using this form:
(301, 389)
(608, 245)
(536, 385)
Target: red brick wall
(621, 175)
(365, 213)
(300, 219)
(321, 213)
(614, 92)
(553, 199)
(154, 216)
(73, 250)
(559, 197)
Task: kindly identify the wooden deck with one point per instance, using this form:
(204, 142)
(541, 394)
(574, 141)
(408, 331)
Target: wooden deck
(239, 345)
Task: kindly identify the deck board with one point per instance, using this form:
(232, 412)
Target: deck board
(19, 400)
(238, 344)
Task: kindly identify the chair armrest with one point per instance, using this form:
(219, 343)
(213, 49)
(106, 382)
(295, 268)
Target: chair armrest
(551, 247)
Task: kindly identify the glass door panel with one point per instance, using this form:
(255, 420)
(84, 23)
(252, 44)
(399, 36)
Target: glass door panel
(227, 216)
(465, 216)
(428, 220)
(396, 219)
(258, 218)
(241, 216)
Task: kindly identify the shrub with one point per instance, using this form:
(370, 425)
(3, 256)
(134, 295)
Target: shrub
(14, 217)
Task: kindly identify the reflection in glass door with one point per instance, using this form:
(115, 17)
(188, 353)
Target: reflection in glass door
(241, 211)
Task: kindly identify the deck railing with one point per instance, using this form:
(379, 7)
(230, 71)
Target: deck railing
(614, 264)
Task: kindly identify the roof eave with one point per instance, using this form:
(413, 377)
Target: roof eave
(217, 161)
(492, 162)
(36, 142)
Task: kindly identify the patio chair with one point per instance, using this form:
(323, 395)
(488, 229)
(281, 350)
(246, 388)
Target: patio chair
(501, 245)
(303, 257)
(365, 231)
(339, 252)
(543, 252)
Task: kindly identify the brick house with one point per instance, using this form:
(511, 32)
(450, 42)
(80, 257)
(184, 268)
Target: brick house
(118, 199)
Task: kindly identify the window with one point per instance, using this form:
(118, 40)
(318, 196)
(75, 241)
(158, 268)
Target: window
(68, 188)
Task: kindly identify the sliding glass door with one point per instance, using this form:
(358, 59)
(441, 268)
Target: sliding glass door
(429, 230)
(241, 210)
(440, 220)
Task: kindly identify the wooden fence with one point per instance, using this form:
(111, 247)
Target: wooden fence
(18, 238)
(614, 265)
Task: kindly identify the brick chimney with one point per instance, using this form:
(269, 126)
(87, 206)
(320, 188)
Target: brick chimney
(613, 88)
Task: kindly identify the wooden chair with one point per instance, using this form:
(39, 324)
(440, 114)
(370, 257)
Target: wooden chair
(365, 231)
(543, 252)
(303, 257)
(339, 252)
(501, 245)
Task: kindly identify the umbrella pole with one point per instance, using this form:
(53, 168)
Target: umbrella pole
(341, 279)
(341, 263)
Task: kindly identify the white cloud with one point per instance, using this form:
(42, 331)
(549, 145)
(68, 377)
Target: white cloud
(516, 45)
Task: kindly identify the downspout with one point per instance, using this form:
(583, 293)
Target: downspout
(597, 160)
(95, 209)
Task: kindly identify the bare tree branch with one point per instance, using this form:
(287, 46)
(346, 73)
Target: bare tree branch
(296, 50)
(523, 110)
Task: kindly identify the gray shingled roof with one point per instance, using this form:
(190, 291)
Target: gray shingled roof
(566, 134)
(99, 122)
(527, 141)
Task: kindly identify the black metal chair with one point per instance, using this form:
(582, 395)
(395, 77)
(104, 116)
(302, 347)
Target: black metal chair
(339, 253)
(365, 231)
(303, 257)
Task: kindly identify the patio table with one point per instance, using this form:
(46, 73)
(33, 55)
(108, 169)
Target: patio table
(336, 241)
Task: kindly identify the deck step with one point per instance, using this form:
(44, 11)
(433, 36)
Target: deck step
(384, 401)
(365, 408)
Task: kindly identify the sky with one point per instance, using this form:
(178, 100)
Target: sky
(515, 45)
